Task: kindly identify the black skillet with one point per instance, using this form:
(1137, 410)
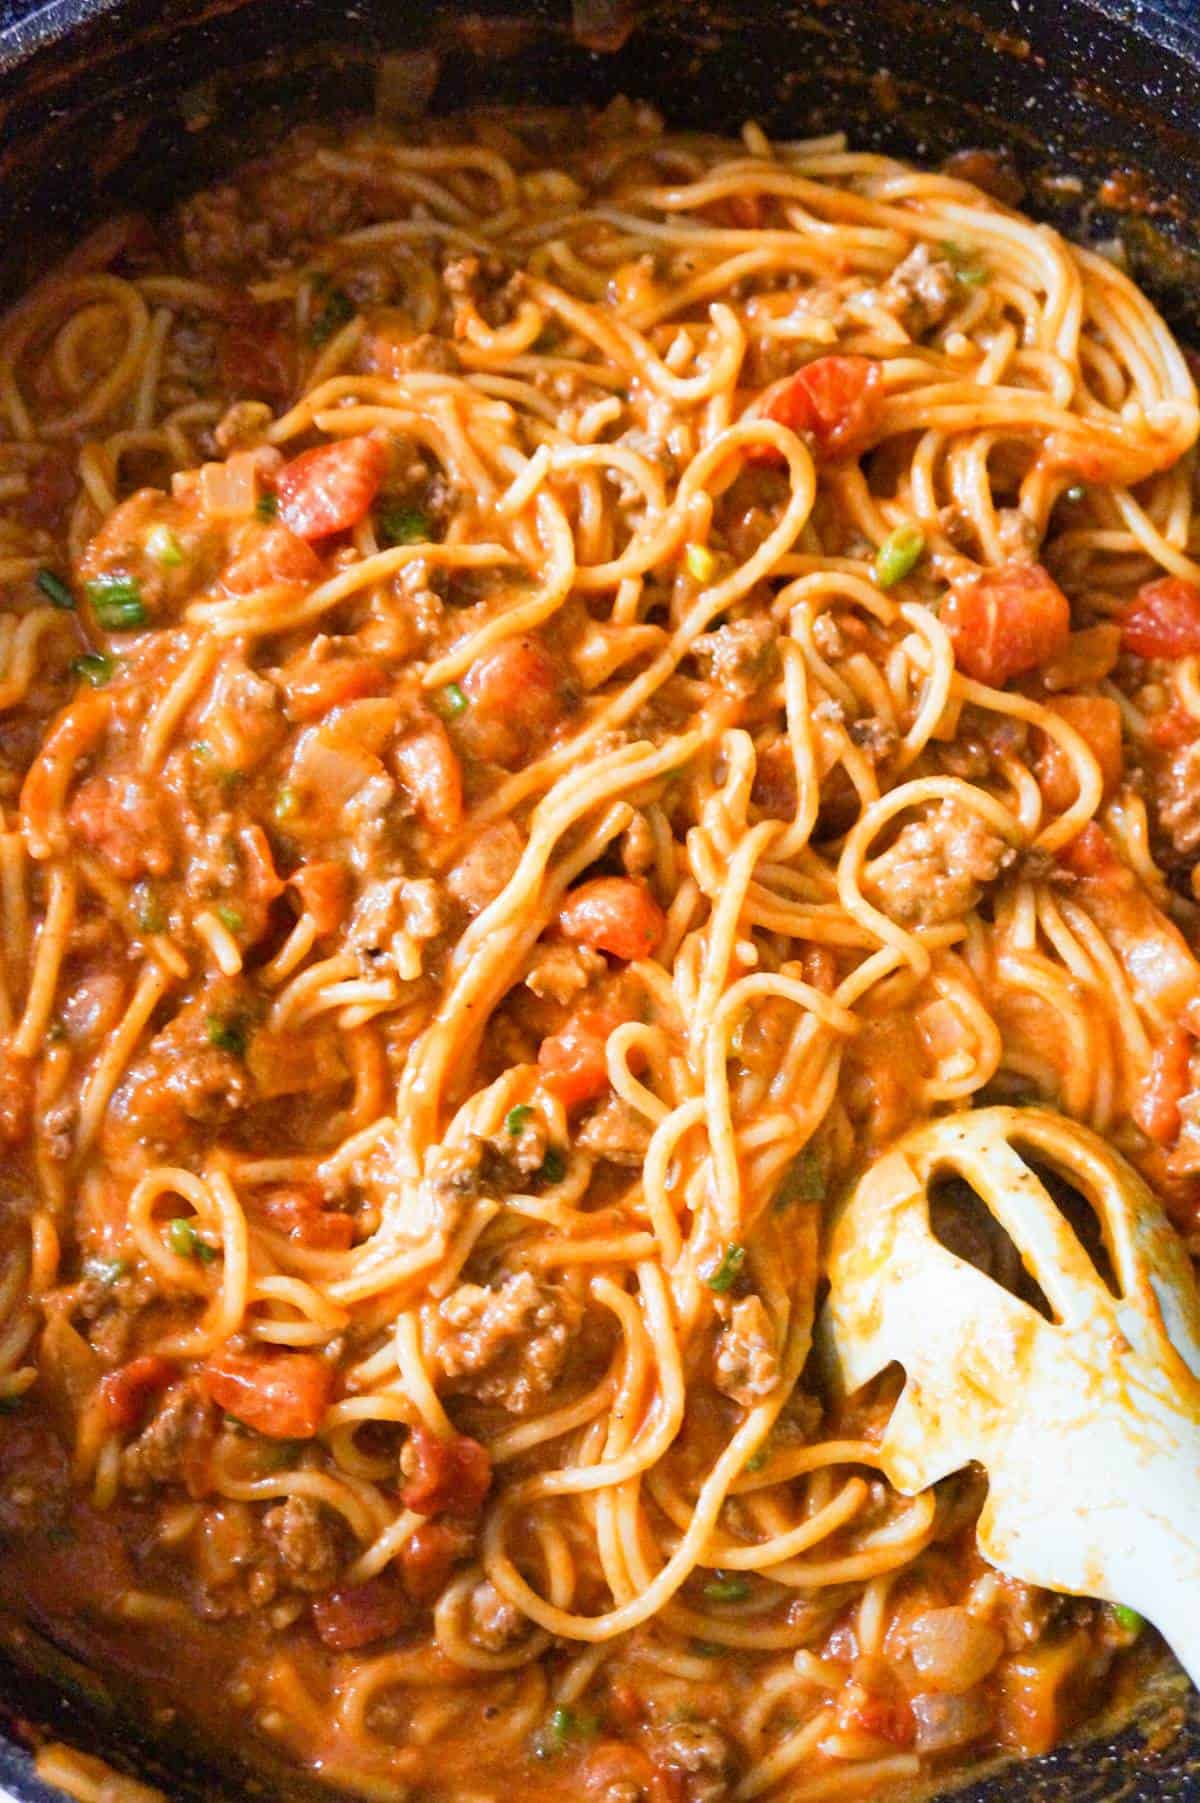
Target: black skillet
(107, 104)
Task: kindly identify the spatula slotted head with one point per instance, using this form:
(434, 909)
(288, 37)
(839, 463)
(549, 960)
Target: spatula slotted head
(1087, 1422)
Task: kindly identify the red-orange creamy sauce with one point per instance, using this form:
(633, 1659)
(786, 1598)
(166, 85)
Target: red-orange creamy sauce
(213, 784)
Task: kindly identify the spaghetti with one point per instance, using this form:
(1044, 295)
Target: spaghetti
(560, 688)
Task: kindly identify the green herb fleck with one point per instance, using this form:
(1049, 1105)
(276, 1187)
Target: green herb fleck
(898, 555)
(336, 309)
(707, 1649)
(400, 525)
(287, 803)
(229, 917)
(10, 1404)
(94, 667)
(267, 506)
(55, 589)
(967, 268)
(117, 603)
(227, 1033)
(726, 1587)
(554, 1165)
(452, 702)
(516, 1118)
(163, 546)
(803, 1181)
(105, 1270)
(1128, 1620)
(726, 1273)
(757, 1460)
(562, 1727)
(185, 1242)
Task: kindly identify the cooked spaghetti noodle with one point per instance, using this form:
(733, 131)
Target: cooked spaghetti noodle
(561, 686)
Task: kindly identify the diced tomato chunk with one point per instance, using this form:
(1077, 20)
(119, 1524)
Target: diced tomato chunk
(1097, 720)
(1091, 855)
(428, 1557)
(324, 891)
(614, 914)
(271, 554)
(516, 695)
(320, 684)
(445, 1477)
(283, 1395)
(126, 1392)
(1007, 622)
(431, 776)
(330, 488)
(300, 1214)
(573, 1061)
(1156, 1108)
(1163, 619)
(837, 402)
(361, 1613)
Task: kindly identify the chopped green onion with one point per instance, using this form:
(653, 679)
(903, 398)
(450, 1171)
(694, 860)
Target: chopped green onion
(227, 1033)
(898, 555)
(1128, 1620)
(55, 589)
(94, 667)
(452, 702)
(185, 1242)
(117, 603)
(336, 310)
(700, 562)
(400, 525)
(967, 268)
(757, 1460)
(1076, 492)
(554, 1165)
(267, 506)
(229, 917)
(150, 915)
(287, 803)
(564, 1725)
(726, 1587)
(516, 1118)
(725, 1274)
(105, 1270)
(803, 1181)
(163, 546)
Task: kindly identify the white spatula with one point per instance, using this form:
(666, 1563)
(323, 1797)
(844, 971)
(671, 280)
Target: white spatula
(1088, 1425)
